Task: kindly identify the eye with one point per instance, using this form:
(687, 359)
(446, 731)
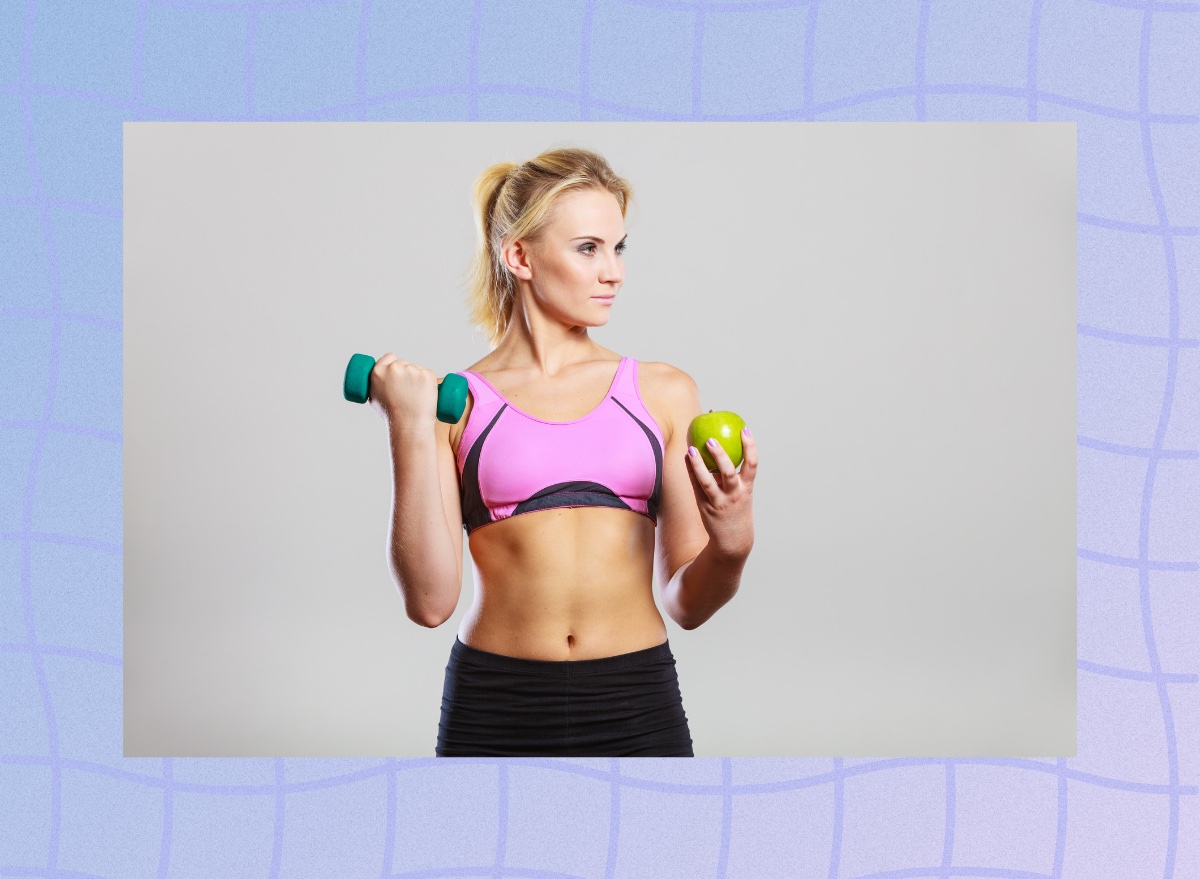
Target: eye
(620, 248)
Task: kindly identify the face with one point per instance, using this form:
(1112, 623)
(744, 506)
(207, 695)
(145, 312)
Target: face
(579, 257)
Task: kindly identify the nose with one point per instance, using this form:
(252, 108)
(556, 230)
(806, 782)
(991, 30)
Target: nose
(611, 269)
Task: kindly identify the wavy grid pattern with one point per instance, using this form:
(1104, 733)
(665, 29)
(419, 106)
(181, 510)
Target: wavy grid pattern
(71, 806)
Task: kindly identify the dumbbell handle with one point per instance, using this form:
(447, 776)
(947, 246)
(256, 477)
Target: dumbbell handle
(452, 390)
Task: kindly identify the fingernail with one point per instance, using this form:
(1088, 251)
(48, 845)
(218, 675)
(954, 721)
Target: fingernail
(745, 431)
(691, 451)
(712, 443)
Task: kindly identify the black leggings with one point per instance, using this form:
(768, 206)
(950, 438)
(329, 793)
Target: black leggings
(615, 706)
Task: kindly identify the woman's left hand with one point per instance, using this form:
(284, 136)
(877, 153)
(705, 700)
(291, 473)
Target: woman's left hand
(724, 497)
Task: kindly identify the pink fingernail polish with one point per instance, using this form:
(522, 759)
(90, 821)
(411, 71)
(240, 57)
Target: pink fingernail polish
(691, 451)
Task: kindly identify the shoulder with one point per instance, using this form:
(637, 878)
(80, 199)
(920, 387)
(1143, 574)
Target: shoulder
(665, 376)
(669, 393)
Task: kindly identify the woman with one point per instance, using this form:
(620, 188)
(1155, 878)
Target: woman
(566, 460)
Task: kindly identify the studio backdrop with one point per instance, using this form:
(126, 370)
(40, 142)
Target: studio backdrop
(891, 308)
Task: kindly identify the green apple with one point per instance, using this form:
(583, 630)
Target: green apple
(725, 428)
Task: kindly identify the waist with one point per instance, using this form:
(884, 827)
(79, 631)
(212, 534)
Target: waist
(657, 653)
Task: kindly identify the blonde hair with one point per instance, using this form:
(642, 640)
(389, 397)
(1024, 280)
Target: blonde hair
(512, 201)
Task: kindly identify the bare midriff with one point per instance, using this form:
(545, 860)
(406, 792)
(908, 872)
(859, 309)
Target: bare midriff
(569, 582)
(565, 583)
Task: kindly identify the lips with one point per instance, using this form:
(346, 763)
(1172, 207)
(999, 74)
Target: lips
(605, 298)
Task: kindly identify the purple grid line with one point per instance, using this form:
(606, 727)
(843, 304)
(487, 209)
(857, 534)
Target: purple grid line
(59, 650)
(66, 204)
(360, 57)
(139, 56)
(641, 114)
(1134, 451)
(56, 427)
(714, 790)
(697, 59)
(806, 107)
(1132, 339)
(838, 777)
(473, 89)
(933, 873)
(62, 539)
(251, 39)
(585, 61)
(919, 73)
(65, 316)
(280, 792)
(614, 817)
(1122, 226)
(1152, 460)
(502, 824)
(164, 851)
(1060, 832)
(49, 874)
(948, 841)
(389, 838)
(726, 815)
(1132, 674)
(1031, 89)
(1142, 564)
(525, 872)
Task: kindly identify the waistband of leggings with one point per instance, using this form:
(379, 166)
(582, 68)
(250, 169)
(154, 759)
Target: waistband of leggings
(465, 653)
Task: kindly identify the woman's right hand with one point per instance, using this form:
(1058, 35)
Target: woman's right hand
(404, 394)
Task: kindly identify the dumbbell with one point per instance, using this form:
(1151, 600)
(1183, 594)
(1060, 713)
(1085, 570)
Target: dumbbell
(452, 390)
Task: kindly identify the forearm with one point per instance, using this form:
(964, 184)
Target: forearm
(420, 551)
(703, 586)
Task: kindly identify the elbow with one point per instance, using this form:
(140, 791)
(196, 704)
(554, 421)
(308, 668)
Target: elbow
(681, 618)
(428, 617)
(427, 621)
(688, 623)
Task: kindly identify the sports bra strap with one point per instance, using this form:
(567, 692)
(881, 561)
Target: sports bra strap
(480, 390)
(626, 383)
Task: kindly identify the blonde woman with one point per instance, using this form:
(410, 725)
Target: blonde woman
(571, 473)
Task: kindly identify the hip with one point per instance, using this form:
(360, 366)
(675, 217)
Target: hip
(627, 704)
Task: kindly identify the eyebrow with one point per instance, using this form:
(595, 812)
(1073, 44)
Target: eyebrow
(597, 238)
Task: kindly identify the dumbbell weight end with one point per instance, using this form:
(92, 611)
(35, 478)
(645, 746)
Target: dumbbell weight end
(452, 390)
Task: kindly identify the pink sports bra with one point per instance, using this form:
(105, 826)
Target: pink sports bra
(512, 463)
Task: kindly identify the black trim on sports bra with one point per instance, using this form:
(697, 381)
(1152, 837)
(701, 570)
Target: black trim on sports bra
(474, 510)
(656, 495)
(572, 494)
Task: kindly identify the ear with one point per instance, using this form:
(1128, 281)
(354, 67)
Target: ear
(516, 257)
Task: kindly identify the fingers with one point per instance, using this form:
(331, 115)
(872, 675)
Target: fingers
(727, 477)
(728, 473)
(749, 457)
(701, 478)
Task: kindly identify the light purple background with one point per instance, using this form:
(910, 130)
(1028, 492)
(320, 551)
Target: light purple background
(1122, 70)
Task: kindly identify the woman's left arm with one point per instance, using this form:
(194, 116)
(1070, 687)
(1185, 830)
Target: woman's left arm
(705, 520)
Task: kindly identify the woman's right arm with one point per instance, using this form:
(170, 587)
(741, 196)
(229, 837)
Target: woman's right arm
(425, 545)
(425, 540)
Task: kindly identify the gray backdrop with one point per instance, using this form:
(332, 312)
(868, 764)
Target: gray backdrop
(890, 306)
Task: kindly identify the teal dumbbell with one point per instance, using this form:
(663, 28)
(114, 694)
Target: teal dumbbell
(452, 390)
